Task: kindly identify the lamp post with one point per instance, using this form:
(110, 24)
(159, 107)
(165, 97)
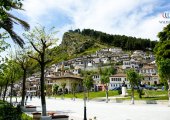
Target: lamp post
(85, 115)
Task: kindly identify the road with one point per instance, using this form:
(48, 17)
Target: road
(105, 111)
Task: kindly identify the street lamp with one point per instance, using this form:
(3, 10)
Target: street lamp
(85, 115)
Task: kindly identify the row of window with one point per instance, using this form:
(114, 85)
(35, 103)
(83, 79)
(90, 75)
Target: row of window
(118, 79)
(118, 85)
(129, 63)
(147, 71)
(96, 76)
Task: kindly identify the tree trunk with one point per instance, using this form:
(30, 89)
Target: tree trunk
(23, 88)
(73, 95)
(43, 102)
(11, 92)
(140, 92)
(169, 92)
(87, 95)
(6, 85)
(1, 92)
(63, 92)
(132, 97)
(106, 94)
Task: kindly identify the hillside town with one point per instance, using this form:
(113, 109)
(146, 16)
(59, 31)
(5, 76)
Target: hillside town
(69, 72)
(84, 60)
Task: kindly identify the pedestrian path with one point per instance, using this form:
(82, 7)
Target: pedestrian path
(104, 111)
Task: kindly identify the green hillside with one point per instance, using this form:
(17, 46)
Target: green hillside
(78, 43)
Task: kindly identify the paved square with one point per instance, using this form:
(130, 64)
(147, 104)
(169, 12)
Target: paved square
(105, 111)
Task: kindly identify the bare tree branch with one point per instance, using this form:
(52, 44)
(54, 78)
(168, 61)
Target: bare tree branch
(35, 58)
(35, 47)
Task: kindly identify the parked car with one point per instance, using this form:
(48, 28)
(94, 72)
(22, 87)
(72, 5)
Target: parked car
(148, 87)
(117, 88)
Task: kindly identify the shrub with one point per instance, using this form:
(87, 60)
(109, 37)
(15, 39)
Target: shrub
(8, 112)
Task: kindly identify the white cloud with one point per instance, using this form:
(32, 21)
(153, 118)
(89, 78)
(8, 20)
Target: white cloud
(130, 17)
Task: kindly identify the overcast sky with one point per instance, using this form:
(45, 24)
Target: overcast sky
(138, 18)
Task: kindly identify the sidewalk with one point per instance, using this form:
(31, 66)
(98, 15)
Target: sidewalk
(104, 111)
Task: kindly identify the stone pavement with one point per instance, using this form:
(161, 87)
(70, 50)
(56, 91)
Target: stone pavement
(105, 111)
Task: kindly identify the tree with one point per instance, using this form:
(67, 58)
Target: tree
(73, 88)
(162, 52)
(2, 80)
(14, 72)
(88, 83)
(133, 78)
(55, 89)
(105, 74)
(25, 64)
(165, 34)
(164, 72)
(40, 41)
(140, 89)
(63, 85)
(3, 47)
(6, 79)
(7, 20)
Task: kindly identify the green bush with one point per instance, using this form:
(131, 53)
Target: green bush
(8, 112)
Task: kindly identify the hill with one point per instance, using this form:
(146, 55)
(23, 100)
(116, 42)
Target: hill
(77, 43)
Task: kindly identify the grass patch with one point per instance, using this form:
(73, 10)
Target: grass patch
(148, 95)
(91, 94)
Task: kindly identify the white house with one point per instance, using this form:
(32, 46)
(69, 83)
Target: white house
(151, 79)
(148, 70)
(116, 50)
(130, 64)
(96, 81)
(117, 81)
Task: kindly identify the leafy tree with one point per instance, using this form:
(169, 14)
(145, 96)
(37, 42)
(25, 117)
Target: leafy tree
(164, 72)
(7, 20)
(3, 47)
(105, 74)
(25, 64)
(140, 89)
(6, 79)
(2, 80)
(162, 51)
(133, 78)
(73, 87)
(55, 88)
(165, 34)
(63, 85)
(49, 89)
(14, 74)
(41, 40)
(11, 73)
(88, 83)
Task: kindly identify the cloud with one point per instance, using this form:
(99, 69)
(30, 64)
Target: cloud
(133, 17)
